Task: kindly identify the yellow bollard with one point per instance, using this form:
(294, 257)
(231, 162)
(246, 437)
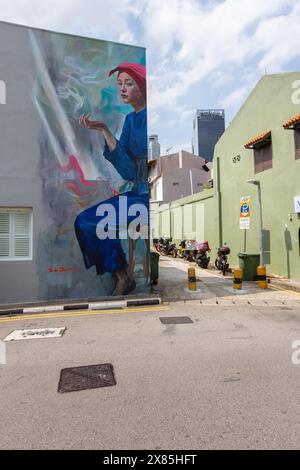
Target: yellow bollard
(237, 278)
(192, 278)
(262, 277)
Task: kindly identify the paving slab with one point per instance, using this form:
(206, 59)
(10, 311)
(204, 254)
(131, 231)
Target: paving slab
(274, 303)
(292, 302)
(209, 301)
(257, 302)
(173, 286)
(225, 302)
(241, 301)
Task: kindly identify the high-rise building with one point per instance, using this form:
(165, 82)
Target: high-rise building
(153, 147)
(208, 126)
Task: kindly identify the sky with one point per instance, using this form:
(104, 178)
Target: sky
(200, 53)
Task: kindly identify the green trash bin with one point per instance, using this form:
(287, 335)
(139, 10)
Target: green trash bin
(154, 262)
(249, 263)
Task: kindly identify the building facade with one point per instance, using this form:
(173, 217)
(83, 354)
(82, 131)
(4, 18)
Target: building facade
(176, 176)
(54, 174)
(259, 145)
(153, 147)
(262, 143)
(208, 126)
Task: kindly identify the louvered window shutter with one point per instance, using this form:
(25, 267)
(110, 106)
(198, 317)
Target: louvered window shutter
(21, 230)
(4, 234)
(15, 233)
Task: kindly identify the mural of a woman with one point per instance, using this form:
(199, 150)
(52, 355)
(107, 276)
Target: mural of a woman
(129, 157)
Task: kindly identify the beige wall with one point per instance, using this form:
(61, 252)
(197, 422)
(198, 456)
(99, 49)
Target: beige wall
(176, 170)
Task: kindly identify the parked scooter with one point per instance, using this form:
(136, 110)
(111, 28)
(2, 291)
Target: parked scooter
(170, 249)
(221, 262)
(190, 250)
(201, 258)
(166, 248)
(181, 249)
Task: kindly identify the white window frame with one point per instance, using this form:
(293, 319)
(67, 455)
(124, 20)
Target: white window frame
(18, 210)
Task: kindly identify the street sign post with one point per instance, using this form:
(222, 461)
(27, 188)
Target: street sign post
(245, 216)
(245, 213)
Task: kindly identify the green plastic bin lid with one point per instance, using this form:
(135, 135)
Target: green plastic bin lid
(247, 255)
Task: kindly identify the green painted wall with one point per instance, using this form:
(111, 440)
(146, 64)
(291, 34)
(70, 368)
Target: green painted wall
(275, 99)
(192, 217)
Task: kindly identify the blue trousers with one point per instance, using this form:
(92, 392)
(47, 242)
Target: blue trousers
(106, 255)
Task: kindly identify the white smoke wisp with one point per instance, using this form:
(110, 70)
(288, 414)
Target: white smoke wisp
(71, 148)
(71, 92)
(46, 84)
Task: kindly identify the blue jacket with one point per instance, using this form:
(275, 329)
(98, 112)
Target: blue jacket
(130, 155)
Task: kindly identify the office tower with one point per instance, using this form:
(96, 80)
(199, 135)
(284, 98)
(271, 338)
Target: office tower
(208, 126)
(153, 147)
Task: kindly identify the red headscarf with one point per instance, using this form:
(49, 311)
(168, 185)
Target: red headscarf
(136, 71)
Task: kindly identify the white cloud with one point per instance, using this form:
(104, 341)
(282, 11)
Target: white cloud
(88, 17)
(192, 42)
(127, 37)
(225, 43)
(279, 37)
(235, 97)
(153, 118)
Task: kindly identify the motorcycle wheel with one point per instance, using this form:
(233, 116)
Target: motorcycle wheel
(174, 253)
(224, 266)
(217, 265)
(199, 261)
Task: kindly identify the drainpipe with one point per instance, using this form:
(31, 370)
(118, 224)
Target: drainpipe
(170, 220)
(191, 181)
(219, 202)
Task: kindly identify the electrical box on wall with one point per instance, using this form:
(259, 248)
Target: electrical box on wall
(2, 92)
(297, 203)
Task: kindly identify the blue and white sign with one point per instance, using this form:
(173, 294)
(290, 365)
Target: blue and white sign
(245, 209)
(245, 213)
(297, 204)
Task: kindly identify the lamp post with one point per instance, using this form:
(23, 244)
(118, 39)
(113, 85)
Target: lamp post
(257, 183)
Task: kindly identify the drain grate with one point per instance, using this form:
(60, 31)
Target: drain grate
(175, 320)
(74, 379)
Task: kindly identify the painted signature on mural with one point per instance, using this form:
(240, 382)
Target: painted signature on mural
(61, 270)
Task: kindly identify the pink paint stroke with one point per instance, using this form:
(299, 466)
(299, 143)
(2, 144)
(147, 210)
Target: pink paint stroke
(73, 186)
(74, 165)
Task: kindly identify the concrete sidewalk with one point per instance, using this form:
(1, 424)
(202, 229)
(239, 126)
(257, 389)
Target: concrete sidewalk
(213, 287)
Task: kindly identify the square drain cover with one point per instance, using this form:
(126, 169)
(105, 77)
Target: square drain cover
(86, 377)
(175, 320)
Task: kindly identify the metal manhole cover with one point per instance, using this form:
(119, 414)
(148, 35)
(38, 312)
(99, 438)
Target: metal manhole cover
(175, 320)
(74, 379)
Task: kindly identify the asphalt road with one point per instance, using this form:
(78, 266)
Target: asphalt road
(226, 381)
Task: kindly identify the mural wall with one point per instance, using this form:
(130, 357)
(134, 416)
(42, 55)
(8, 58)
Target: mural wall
(91, 100)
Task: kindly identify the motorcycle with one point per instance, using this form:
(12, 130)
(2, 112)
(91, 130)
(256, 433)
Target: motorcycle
(201, 258)
(191, 251)
(221, 262)
(167, 248)
(181, 249)
(170, 249)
